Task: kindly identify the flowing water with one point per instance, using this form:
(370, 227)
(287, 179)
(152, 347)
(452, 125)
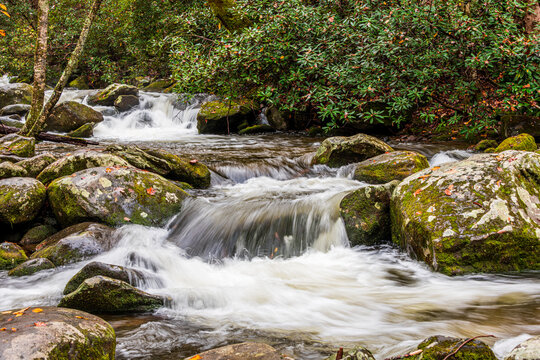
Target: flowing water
(263, 256)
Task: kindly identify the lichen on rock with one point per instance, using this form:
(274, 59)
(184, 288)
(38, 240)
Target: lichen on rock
(396, 165)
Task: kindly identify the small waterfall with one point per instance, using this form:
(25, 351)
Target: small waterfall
(449, 156)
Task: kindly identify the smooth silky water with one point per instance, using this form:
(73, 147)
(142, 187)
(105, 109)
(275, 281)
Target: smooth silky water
(263, 256)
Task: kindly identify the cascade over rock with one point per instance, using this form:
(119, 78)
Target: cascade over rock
(108, 96)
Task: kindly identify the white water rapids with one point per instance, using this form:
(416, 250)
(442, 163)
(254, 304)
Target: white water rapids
(263, 256)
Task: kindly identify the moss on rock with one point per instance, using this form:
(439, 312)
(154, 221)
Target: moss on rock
(31, 266)
(36, 235)
(358, 353)
(485, 144)
(70, 116)
(85, 131)
(108, 96)
(14, 144)
(223, 117)
(438, 347)
(21, 199)
(524, 142)
(396, 165)
(8, 170)
(11, 255)
(18, 93)
(256, 129)
(33, 166)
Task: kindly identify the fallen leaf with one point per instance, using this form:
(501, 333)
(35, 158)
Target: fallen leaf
(499, 169)
(196, 357)
(150, 191)
(81, 317)
(108, 170)
(13, 329)
(127, 219)
(435, 168)
(3, 329)
(37, 310)
(193, 161)
(417, 192)
(6, 312)
(39, 324)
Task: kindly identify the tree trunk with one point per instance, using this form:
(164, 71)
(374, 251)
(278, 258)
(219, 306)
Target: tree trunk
(40, 60)
(226, 11)
(37, 124)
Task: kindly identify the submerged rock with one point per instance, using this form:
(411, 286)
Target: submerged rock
(101, 294)
(9, 170)
(36, 164)
(438, 347)
(115, 196)
(241, 351)
(55, 333)
(11, 255)
(21, 199)
(338, 151)
(358, 353)
(18, 93)
(396, 165)
(366, 213)
(256, 129)
(31, 266)
(528, 350)
(108, 96)
(131, 276)
(524, 142)
(17, 145)
(477, 215)
(70, 116)
(222, 117)
(85, 131)
(126, 102)
(36, 235)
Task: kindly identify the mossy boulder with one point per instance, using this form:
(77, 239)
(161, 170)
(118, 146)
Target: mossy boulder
(9, 170)
(340, 150)
(55, 333)
(130, 276)
(243, 351)
(477, 215)
(524, 142)
(223, 117)
(485, 144)
(101, 294)
(21, 199)
(396, 165)
(70, 116)
(161, 85)
(11, 255)
(276, 118)
(358, 353)
(80, 160)
(439, 347)
(115, 196)
(108, 96)
(18, 93)
(81, 243)
(79, 83)
(85, 131)
(31, 266)
(257, 129)
(33, 237)
(33, 166)
(527, 350)
(490, 150)
(17, 109)
(366, 213)
(165, 164)
(126, 102)
(17, 145)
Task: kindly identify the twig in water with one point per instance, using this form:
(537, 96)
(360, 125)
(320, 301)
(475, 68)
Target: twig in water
(465, 342)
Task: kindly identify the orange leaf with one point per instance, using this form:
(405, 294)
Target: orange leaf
(435, 168)
(81, 317)
(417, 192)
(196, 357)
(13, 329)
(3, 329)
(150, 191)
(108, 170)
(37, 310)
(39, 324)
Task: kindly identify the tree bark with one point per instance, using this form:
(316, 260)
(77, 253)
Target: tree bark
(40, 60)
(37, 124)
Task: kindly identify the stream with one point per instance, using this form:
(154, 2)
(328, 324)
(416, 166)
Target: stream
(263, 255)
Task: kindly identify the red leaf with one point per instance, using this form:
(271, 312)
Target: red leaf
(39, 324)
(150, 191)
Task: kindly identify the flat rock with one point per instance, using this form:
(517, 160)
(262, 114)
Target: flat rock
(241, 351)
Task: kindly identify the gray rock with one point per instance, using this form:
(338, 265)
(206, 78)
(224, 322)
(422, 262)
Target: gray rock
(70, 116)
(11, 255)
(18, 93)
(31, 267)
(241, 351)
(108, 96)
(9, 170)
(528, 350)
(126, 102)
(14, 144)
(17, 109)
(36, 164)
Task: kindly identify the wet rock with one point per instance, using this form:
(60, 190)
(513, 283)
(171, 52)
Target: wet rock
(396, 165)
(17, 145)
(366, 213)
(222, 117)
(56, 333)
(162, 85)
(17, 109)
(7, 121)
(524, 142)
(18, 93)
(108, 96)
(78, 161)
(85, 131)
(21, 199)
(165, 164)
(477, 215)
(256, 129)
(241, 351)
(358, 353)
(11, 255)
(115, 196)
(79, 83)
(33, 237)
(70, 116)
(9, 170)
(528, 350)
(338, 151)
(130, 276)
(126, 102)
(438, 347)
(31, 267)
(101, 294)
(276, 118)
(36, 164)
(82, 241)
(486, 144)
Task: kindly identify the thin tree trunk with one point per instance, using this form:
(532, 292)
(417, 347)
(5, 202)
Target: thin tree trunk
(40, 61)
(37, 124)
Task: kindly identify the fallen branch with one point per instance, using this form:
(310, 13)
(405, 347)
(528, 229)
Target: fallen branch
(465, 342)
(49, 137)
(414, 353)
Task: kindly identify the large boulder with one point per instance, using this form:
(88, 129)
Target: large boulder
(396, 165)
(161, 85)
(108, 96)
(17, 109)
(524, 142)
(241, 351)
(9, 170)
(126, 102)
(21, 199)
(440, 347)
(477, 215)
(131, 276)
(222, 117)
(338, 151)
(528, 350)
(33, 237)
(115, 196)
(276, 118)
(101, 294)
(36, 164)
(165, 164)
(15, 94)
(70, 116)
(11, 255)
(358, 353)
(55, 333)
(366, 213)
(78, 161)
(31, 266)
(85, 131)
(76, 243)
(17, 145)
